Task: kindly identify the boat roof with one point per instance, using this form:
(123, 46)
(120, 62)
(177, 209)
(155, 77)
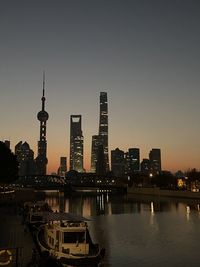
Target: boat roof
(60, 216)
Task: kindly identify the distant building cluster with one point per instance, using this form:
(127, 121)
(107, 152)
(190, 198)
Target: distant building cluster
(122, 163)
(127, 163)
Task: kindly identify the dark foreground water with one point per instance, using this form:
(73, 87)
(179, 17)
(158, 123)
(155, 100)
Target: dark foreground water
(139, 232)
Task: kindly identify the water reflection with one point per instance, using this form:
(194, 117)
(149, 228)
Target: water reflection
(152, 208)
(139, 231)
(105, 204)
(188, 212)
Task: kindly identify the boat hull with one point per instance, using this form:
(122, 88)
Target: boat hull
(83, 261)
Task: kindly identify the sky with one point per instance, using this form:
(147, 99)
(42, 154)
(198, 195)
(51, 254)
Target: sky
(144, 53)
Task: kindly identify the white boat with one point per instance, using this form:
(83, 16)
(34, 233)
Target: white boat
(66, 237)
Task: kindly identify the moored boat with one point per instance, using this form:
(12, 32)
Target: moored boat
(66, 237)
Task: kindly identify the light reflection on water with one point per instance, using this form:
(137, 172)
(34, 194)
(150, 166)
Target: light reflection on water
(139, 232)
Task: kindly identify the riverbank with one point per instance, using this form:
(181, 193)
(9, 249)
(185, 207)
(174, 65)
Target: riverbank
(155, 191)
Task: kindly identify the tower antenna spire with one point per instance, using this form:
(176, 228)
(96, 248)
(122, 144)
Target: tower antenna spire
(43, 83)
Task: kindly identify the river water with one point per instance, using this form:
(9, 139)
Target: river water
(139, 232)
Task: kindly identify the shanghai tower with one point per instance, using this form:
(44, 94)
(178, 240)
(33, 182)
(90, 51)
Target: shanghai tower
(41, 160)
(103, 126)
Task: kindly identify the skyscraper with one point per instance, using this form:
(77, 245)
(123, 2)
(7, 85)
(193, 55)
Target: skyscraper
(134, 159)
(100, 164)
(155, 160)
(25, 157)
(76, 143)
(96, 142)
(117, 162)
(145, 166)
(103, 126)
(63, 166)
(41, 160)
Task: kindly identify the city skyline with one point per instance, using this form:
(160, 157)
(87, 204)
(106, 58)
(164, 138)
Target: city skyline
(144, 54)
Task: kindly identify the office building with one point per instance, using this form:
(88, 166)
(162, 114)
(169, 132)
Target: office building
(126, 163)
(103, 126)
(25, 157)
(96, 142)
(117, 162)
(155, 160)
(41, 160)
(145, 166)
(134, 159)
(76, 143)
(101, 163)
(63, 166)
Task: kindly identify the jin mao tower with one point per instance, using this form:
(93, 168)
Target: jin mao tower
(41, 160)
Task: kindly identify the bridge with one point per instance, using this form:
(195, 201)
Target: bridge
(41, 182)
(73, 182)
(93, 182)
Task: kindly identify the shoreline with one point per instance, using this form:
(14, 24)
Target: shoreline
(156, 191)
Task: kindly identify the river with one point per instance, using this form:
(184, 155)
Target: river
(139, 232)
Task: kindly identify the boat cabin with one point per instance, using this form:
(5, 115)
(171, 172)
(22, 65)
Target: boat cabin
(68, 237)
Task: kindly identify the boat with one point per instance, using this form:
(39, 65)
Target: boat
(66, 237)
(33, 213)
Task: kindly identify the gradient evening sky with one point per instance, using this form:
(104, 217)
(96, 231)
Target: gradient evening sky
(144, 53)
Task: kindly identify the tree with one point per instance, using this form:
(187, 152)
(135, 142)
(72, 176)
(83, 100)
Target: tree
(9, 165)
(193, 175)
(165, 180)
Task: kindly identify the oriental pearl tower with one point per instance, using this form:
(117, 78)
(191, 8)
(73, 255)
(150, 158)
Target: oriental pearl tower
(42, 116)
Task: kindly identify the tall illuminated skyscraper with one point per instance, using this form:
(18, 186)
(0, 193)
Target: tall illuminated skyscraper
(103, 126)
(76, 143)
(41, 160)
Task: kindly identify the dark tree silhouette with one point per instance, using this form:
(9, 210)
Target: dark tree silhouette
(165, 180)
(8, 165)
(193, 175)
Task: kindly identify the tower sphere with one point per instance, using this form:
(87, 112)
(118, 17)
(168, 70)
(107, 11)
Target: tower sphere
(42, 115)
